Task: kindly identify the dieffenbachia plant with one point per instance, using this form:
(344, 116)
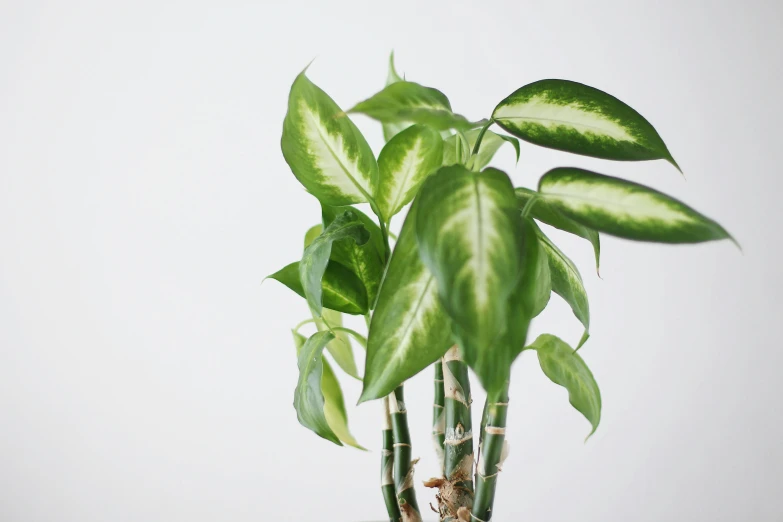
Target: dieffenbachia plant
(471, 266)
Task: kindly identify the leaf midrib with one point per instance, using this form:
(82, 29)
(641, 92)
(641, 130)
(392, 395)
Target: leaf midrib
(564, 122)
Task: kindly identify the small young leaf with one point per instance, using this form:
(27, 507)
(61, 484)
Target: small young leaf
(566, 281)
(404, 101)
(326, 152)
(404, 164)
(409, 328)
(312, 233)
(392, 129)
(542, 211)
(308, 396)
(316, 256)
(342, 290)
(573, 117)
(364, 260)
(470, 241)
(626, 209)
(565, 367)
(490, 144)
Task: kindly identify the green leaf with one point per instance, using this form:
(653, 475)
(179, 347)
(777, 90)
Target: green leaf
(573, 117)
(566, 281)
(391, 129)
(316, 256)
(542, 211)
(312, 233)
(364, 260)
(470, 241)
(309, 399)
(342, 290)
(490, 144)
(340, 347)
(324, 149)
(409, 328)
(625, 209)
(565, 367)
(404, 101)
(404, 164)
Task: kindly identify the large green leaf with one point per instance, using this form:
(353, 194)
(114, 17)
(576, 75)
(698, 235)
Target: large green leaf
(538, 208)
(308, 397)
(364, 260)
(347, 226)
(334, 403)
(342, 290)
(573, 117)
(565, 367)
(626, 209)
(404, 164)
(490, 144)
(325, 150)
(409, 328)
(404, 101)
(567, 282)
(392, 128)
(470, 241)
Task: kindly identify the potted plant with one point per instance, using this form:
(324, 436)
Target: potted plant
(471, 267)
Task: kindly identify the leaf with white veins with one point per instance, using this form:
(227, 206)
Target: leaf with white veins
(573, 117)
(470, 240)
(316, 256)
(325, 150)
(409, 328)
(404, 164)
(626, 209)
(565, 367)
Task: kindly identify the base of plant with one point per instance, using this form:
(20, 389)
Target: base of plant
(452, 498)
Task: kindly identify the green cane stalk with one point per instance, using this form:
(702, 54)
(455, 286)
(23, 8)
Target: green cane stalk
(403, 463)
(438, 415)
(387, 466)
(457, 490)
(492, 452)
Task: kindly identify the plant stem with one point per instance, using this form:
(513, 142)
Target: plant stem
(492, 452)
(403, 465)
(480, 136)
(387, 466)
(438, 416)
(458, 444)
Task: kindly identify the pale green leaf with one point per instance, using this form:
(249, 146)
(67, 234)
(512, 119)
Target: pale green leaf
(409, 328)
(316, 256)
(340, 347)
(470, 241)
(626, 209)
(342, 290)
(410, 102)
(565, 367)
(364, 260)
(404, 164)
(490, 144)
(566, 280)
(325, 150)
(538, 208)
(308, 396)
(573, 117)
(393, 128)
(312, 233)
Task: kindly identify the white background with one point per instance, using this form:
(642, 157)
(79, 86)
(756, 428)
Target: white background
(146, 374)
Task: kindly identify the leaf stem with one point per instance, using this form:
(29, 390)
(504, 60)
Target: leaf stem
(480, 136)
(306, 321)
(529, 205)
(362, 340)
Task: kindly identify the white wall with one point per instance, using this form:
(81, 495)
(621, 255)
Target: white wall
(147, 375)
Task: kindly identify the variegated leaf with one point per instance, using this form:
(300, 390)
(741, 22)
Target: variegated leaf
(567, 282)
(490, 144)
(573, 117)
(325, 150)
(309, 399)
(565, 367)
(409, 328)
(316, 256)
(537, 207)
(364, 260)
(404, 164)
(470, 241)
(393, 128)
(342, 290)
(404, 101)
(626, 209)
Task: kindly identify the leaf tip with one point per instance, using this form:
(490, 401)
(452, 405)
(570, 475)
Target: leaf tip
(582, 341)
